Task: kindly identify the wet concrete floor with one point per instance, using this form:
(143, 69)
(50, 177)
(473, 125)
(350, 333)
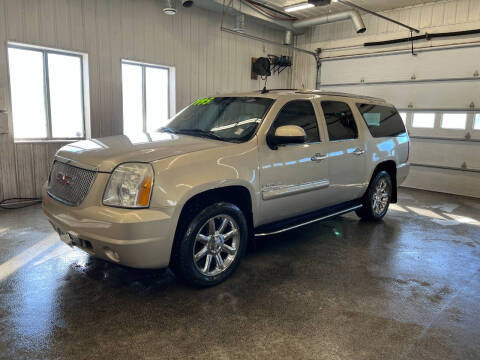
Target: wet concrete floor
(404, 288)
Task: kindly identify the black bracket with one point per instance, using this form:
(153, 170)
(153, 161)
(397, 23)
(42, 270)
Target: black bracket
(411, 40)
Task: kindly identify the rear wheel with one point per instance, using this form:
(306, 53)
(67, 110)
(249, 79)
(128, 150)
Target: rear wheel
(212, 245)
(377, 198)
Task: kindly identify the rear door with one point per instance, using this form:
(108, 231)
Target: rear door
(294, 177)
(346, 151)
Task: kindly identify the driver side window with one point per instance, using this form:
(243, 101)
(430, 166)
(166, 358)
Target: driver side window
(300, 113)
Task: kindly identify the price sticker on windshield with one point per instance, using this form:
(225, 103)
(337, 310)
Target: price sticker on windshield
(204, 101)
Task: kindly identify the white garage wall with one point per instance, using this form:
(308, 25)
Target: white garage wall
(207, 62)
(444, 80)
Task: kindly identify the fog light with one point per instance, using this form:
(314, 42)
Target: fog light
(112, 255)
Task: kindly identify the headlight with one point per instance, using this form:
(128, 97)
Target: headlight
(130, 186)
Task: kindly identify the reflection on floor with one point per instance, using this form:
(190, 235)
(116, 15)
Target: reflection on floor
(405, 288)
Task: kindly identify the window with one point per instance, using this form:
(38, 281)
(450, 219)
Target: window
(47, 93)
(146, 97)
(300, 113)
(382, 121)
(476, 122)
(340, 121)
(454, 121)
(403, 115)
(232, 119)
(423, 120)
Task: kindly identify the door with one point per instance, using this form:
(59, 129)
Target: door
(294, 177)
(346, 152)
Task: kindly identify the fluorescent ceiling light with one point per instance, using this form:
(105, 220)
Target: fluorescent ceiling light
(298, 7)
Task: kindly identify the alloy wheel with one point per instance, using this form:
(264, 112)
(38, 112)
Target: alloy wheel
(216, 245)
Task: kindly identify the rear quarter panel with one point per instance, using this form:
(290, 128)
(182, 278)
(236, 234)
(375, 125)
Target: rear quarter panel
(382, 149)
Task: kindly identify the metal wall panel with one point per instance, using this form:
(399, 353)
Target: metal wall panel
(207, 62)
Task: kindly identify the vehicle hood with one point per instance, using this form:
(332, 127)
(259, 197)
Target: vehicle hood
(105, 154)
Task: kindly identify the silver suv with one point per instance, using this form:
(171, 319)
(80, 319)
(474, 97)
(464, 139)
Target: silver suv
(223, 170)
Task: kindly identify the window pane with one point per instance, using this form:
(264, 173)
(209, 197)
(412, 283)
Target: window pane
(230, 118)
(66, 104)
(28, 98)
(300, 113)
(156, 97)
(132, 99)
(476, 122)
(454, 121)
(382, 121)
(403, 115)
(340, 122)
(423, 120)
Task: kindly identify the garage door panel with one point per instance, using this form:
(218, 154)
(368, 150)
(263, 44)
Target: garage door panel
(426, 65)
(438, 95)
(447, 181)
(444, 153)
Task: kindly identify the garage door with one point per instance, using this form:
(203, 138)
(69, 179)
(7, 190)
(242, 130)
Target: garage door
(438, 93)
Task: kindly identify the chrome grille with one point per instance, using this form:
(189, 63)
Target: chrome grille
(69, 184)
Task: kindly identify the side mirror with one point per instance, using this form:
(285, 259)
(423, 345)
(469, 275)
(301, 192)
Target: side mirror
(288, 134)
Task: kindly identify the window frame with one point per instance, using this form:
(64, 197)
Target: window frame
(171, 88)
(353, 115)
(272, 126)
(84, 84)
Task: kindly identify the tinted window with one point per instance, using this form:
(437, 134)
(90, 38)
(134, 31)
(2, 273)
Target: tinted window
(382, 121)
(300, 113)
(340, 121)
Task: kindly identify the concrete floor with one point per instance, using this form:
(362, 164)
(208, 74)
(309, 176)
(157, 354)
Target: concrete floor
(405, 288)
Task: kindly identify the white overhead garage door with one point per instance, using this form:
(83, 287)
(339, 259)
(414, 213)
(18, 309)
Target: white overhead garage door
(438, 93)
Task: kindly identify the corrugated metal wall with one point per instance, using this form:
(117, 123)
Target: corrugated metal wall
(207, 62)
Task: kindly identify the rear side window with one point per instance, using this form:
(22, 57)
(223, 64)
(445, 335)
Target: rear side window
(340, 121)
(299, 113)
(382, 121)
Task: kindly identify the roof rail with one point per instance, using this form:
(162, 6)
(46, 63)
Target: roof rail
(336, 93)
(283, 90)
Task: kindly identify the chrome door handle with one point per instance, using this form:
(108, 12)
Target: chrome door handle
(318, 157)
(358, 152)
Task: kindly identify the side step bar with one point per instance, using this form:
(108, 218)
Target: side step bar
(278, 231)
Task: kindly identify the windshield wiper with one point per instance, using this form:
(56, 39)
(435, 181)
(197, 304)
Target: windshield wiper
(200, 132)
(169, 130)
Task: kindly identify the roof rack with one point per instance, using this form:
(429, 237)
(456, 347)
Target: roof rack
(336, 93)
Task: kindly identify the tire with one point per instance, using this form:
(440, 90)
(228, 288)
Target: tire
(377, 198)
(206, 255)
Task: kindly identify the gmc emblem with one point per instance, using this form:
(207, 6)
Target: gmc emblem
(64, 179)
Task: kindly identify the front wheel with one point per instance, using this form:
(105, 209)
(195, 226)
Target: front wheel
(377, 198)
(212, 245)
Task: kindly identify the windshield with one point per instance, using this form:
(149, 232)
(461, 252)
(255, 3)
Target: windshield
(224, 118)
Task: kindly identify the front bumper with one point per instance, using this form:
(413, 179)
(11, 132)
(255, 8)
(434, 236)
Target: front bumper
(136, 238)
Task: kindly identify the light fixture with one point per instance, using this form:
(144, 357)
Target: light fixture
(298, 7)
(170, 8)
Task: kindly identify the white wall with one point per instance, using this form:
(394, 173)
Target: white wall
(207, 62)
(386, 71)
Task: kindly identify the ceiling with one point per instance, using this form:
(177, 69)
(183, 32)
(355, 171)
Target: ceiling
(374, 5)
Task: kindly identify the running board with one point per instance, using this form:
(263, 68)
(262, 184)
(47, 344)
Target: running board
(304, 223)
